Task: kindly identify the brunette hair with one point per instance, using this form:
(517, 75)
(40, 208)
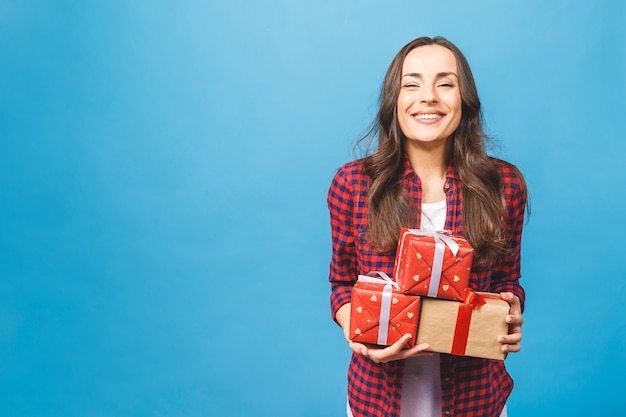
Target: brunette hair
(482, 193)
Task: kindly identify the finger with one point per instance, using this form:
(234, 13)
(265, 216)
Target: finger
(514, 319)
(397, 347)
(359, 348)
(515, 330)
(514, 302)
(387, 355)
(390, 353)
(418, 348)
(510, 339)
(511, 348)
(510, 342)
(515, 323)
(421, 349)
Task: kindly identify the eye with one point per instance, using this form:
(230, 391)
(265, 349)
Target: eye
(411, 85)
(447, 80)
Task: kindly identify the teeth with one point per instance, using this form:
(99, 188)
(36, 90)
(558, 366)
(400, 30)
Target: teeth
(429, 116)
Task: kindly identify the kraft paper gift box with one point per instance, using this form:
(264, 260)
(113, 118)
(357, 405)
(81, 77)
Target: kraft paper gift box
(433, 264)
(380, 314)
(468, 328)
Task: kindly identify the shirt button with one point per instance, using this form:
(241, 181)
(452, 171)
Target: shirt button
(447, 412)
(446, 186)
(446, 379)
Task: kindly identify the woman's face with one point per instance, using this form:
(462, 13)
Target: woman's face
(429, 103)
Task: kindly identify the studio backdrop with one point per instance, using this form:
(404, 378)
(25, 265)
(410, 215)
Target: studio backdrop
(164, 235)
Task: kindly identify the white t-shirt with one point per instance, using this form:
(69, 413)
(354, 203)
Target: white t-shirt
(421, 388)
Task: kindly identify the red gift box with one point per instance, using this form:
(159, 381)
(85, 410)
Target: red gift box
(433, 264)
(380, 314)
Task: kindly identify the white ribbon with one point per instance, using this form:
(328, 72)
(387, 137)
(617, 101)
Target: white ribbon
(385, 302)
(442, 239)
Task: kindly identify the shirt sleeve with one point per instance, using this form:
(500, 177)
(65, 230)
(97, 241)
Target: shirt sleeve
(343, 271)
(507, 272)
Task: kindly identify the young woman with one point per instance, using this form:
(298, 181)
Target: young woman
(429, 171)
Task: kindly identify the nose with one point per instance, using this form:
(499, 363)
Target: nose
(428, 95)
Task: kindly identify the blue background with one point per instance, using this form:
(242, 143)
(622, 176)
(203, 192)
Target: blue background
(164, 238)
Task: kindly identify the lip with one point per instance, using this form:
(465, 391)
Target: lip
(428, 116)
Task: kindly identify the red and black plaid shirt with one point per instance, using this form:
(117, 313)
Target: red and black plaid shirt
(469, 386)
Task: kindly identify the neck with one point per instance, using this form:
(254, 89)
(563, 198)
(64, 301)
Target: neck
(429, 161)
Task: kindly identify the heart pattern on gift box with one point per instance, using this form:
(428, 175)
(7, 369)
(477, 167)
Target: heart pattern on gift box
(401, 318)
(414, 265)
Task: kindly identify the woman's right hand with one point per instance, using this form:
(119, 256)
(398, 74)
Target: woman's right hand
(395, 352)
(376, 353)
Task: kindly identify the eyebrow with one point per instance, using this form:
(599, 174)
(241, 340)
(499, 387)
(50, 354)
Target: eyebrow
(439, 74)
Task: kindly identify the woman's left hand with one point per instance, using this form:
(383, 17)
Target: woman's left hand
(511, 342)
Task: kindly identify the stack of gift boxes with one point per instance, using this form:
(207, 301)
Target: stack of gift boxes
(429, 297)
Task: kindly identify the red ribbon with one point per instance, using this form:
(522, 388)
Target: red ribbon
(464, 316)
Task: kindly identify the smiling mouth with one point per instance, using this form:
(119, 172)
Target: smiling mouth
(428, 116)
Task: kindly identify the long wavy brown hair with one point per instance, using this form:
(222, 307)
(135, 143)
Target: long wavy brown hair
(482, 192)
